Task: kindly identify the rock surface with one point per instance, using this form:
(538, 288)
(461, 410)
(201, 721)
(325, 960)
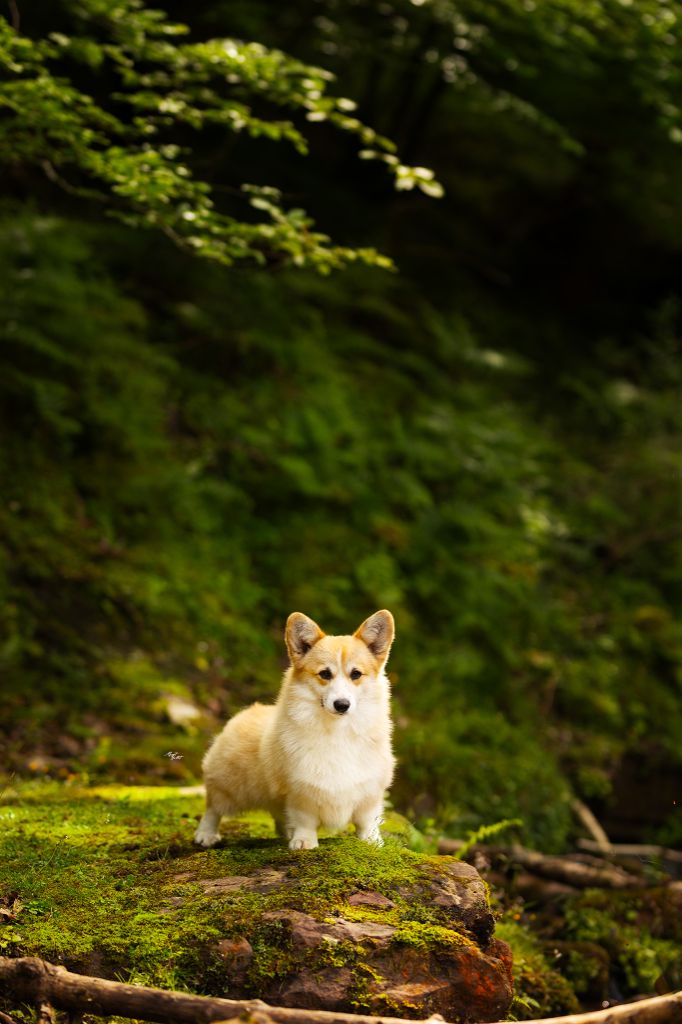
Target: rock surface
(428, 950)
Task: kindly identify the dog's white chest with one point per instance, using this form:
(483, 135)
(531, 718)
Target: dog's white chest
(334, 775)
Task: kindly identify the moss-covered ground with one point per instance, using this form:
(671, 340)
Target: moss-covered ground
(539, 989)
(107, 880)
(595, 948)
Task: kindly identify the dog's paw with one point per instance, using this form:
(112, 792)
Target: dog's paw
(303, 841)
(206, 839)
(374, 838)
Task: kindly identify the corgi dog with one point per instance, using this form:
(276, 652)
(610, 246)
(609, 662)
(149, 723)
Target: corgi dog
(321, 755)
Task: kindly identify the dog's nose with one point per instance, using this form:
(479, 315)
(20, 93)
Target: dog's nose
(341, 706)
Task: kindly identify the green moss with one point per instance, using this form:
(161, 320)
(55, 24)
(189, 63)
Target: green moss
(95, 876)
(583, 969)
(539, 990)
(98, 873)
(363, 995)
(273, 956)
(341, 864)
(108, 877)
(335, 953)
(623, 924)
(398, 827)
(429, 936)
(379, 915)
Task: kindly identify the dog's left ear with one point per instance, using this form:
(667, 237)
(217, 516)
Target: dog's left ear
(377, 632)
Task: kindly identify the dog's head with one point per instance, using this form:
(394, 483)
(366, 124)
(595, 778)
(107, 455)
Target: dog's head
(339, 670)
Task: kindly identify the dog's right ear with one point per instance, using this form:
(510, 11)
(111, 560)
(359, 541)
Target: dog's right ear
(300, 635)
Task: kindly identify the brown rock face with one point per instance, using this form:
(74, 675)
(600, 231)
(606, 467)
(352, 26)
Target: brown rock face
(263, 880)
(326, 989)
(399, 966)
(236, 955)
(304, 932)
(369, 899)
(459, 982)
(459, 891)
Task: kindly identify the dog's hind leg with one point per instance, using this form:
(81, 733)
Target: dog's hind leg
(207, 833)
(280, 825)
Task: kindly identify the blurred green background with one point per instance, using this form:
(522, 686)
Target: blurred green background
(203, 430)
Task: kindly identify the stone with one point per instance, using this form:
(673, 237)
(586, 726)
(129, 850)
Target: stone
(324, 990)
(460, 982)
(458, 889)
(421, 947)
(236, 955)
(375, 966)
(305, 932)
(263, 880)
(369, 899)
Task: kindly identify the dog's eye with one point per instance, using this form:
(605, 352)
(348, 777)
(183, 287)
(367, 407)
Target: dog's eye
(326, 674)
(356, 673)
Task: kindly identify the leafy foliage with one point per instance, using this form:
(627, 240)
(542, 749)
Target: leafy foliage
(132, 160)
(489, 444)
(555, 130)
(285, 477)
(486, 832)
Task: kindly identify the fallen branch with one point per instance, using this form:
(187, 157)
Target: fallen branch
(38, 982)
(657, 1010)
(573, 872)
(567, 869)
(533, 887)
(634, 850)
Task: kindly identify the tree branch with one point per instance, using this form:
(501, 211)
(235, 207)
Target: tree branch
(39, 982)
(644, 850)
(657, 1010)
(569, 870)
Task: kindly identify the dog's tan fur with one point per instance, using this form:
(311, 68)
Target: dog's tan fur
(309, 759)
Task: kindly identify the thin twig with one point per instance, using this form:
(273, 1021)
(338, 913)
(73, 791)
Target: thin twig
(51, 172)
(15, 16)
(46, 1014)
(588, 820)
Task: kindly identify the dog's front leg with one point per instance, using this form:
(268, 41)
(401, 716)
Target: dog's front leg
(367, 818)
(301, 828)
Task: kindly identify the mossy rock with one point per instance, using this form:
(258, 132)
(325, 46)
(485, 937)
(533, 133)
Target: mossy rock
(107, 881)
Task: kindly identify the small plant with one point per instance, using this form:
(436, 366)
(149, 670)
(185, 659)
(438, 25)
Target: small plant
(486, 832)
